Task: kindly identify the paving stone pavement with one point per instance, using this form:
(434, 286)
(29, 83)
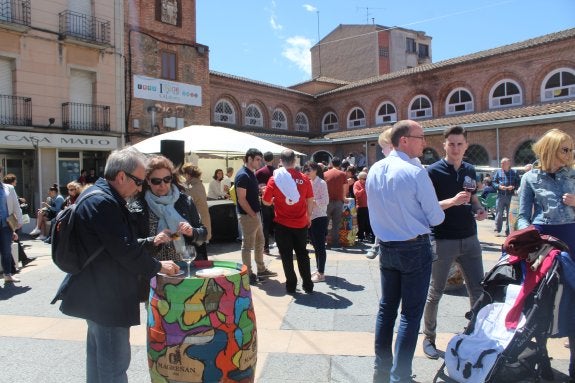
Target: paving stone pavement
(323, 337)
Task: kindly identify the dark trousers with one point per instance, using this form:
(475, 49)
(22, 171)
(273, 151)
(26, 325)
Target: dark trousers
(267, 223)
(6, 249)
(201, 252)
(363, 225)
(289, 240)
(317, 235)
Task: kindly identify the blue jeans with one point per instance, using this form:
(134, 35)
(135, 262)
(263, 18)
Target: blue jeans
(6, 249)
(317, 234)
(502, 205)
(405, 268)
(107, 354)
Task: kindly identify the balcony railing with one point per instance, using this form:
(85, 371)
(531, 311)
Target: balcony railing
(84, 27)
(15, 12)
(15, 111)
(88, 117)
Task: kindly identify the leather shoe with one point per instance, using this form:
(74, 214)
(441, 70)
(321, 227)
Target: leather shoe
(430, 350)
(27, 261)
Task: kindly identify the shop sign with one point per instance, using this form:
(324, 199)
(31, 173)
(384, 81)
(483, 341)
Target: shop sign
(61, 141)
(156, 89)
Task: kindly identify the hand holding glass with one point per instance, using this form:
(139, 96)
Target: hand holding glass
(188, 255)
(469, 185)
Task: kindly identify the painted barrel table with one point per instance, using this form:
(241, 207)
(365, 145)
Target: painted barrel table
(348, 225)
(202, 328)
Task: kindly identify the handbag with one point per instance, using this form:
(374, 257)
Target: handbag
(12, 222)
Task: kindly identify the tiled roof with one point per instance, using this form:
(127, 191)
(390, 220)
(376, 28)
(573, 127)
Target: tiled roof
(529, 112)
(566, 34)
(261, 83)
(328, 80)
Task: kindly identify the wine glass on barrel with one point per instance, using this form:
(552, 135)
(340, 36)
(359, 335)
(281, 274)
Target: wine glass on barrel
(188, 255)
(469, 185)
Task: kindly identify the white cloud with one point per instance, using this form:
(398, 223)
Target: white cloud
(276, 26)
(297, 51)
(309, 8)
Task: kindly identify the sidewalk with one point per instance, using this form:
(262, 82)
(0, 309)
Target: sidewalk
(324, 337)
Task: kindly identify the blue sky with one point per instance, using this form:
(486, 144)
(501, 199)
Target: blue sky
(269, 40)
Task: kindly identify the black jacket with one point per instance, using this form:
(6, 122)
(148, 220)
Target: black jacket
(106, 292)
(184, 206)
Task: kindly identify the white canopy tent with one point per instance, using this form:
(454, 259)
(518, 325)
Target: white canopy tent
(211, 140)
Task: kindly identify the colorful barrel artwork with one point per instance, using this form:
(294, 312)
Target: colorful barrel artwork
(348, 225)
(202, 328)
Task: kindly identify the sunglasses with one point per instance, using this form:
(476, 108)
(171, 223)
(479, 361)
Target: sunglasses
(139, 182)
(566, 150)
(158, 181)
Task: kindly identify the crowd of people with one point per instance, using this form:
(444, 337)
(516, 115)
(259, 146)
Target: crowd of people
(418, 220)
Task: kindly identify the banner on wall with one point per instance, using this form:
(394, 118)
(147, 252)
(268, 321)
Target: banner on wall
(150, 88)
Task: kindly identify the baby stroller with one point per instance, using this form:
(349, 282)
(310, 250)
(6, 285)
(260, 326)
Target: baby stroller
(505, 339)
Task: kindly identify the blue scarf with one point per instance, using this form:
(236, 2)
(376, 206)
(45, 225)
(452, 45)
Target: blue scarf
(163, 208)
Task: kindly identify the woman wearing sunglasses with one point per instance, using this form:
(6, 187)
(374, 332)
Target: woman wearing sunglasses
(547, 201)
(167, 218)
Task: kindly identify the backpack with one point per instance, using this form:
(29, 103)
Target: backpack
(65, 253)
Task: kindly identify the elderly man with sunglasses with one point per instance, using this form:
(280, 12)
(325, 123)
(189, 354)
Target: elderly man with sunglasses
(105, 292)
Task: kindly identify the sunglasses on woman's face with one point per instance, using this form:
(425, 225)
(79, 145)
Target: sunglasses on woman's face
(158, 181)
(566, 150)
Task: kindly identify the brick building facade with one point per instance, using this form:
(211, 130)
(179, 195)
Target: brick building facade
(506, 97)
(162, 54)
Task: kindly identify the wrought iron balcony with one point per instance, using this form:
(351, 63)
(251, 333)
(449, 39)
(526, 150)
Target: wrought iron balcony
(15, 111)
(87, 117)
(84, 27)
(15, 12)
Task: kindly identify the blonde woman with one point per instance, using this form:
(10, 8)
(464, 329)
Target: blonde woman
(196, 190)
(74, 190)
(547, 201)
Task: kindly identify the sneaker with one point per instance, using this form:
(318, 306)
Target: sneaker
(267, 273)
(500, 235)
(34, 232)
(371, 254)
(42, 237)
(430, 350)
(318, 277)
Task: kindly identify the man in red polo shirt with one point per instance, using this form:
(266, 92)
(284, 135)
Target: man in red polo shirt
(291, 193)
(337, 188)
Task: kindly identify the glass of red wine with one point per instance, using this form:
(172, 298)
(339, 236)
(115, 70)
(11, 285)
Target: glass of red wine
(469, 185)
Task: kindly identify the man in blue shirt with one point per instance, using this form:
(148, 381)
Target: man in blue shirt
(506, 182)
(248, 208)
(405, 206)
(456, 237)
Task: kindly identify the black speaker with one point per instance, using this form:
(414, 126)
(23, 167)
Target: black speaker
(173, 150)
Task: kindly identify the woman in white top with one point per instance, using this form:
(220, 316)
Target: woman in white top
(319, 220)
(215, 190)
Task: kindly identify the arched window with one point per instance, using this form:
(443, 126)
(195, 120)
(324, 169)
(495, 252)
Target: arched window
(301, 122)
(224, 112)
(459, 101)
(254, 116)
(505, 93)
(476, 155)
(429, 156)
(558, 84)
(329, 122)
(321, 156)
(386, 112)
(356, 119)
(524, 154)
(279, 120)
(420, 107)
